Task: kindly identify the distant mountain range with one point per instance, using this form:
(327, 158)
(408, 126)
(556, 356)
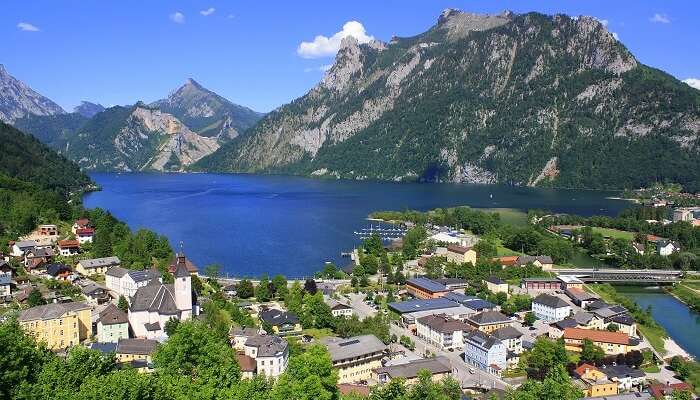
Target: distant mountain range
(524, 99)
(167, 135)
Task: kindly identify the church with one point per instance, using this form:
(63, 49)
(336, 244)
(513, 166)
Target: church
(156, 303)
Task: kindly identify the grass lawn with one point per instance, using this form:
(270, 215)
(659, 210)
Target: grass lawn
(694, 377)
(504, 251)
(317, 333)
(582, 259)
(614, 233)
(510, 216)
(651, 369)
(688, 294)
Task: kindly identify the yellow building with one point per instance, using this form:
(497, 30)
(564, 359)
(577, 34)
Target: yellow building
(489, 321)
(356, 357)
(593, 382)
(136, 352)
(97, 266)
(59, 325)
(495, 285)
(461, 254)
(439, 368)
(612, 343)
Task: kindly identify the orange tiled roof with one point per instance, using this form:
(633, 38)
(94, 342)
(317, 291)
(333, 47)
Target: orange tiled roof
(596, 336)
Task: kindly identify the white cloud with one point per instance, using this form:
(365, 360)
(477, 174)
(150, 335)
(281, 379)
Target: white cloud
(616, 36)
(320, 68)
(323, 46)
(177, 17)
(209, 11)
(693, 82)
(604, 22)
(231, 16)
(660, 18)
(27, 27)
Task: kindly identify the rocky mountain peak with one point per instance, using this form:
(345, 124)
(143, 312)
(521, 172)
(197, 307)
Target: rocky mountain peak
(18, 100)
(88, 109)
(2, 70)
(459, 24)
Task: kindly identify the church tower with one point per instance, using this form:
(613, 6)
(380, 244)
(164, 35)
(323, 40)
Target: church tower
(183, 291)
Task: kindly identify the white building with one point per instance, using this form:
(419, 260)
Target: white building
(485, 352)
(5, 279)
(270, 352)
(550, 308)
(666, 247)
(339, 309)
(19, 248)
(442, 331)
(626, 377)
(154, 304)
(125, 282)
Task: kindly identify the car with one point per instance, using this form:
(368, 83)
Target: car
(471, 371)
(532, 328)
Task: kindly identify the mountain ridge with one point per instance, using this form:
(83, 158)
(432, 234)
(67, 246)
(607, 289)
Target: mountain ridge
(18, 100)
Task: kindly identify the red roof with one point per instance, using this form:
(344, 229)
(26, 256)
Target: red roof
(82, 222)
(68, 244)
(458, 249)
(596, 336)
(348, 388)
(581, 370)
(246, 363)
(85, 231)
(506, 260)
(659, 390)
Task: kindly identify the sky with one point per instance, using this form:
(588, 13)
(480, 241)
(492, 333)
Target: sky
(263, 54)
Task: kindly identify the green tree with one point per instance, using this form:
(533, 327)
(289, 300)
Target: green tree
(262, 291)
(245, 289)
(122, 304)
(612, 328)
(373, 245)
(212, 271)
(530, 318)
(279, 282)
(35, 298)
(21, 359)
(171, 326)
(102, 244)
(309, 376)
(295, 298)
(590, 352)
(544, 356)
(556, 385)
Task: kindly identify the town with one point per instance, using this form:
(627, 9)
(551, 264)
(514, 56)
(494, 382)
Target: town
(440, 306)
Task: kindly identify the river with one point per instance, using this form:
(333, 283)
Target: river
(681, 323)
(253, 224)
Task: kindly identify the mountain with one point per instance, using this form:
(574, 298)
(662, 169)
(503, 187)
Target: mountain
(18, 99)
(207, 113)
(88, 109)
(138, 137)
(54, 130)
(523, 99)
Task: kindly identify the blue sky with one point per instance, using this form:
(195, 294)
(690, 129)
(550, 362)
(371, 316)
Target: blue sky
(119, 52)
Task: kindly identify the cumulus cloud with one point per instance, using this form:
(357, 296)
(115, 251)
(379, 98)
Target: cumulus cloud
(605, 23)
(177, 17)
(660, 18)
(323, 46)
(209, 11)
(693, 82)
(27, 27)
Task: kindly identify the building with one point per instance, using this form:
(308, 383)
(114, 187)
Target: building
(506, 261)
(495, 285)
(587, 320)
(356, 357)
(581, 297)
(511, 338)
(47, 230)
(550, 308)
(666, 247)
(439, 368)
(489, 321)
(453, 283)
(457, 238)
(442, 331)
(85, 235)
(475, 304)
(283, 323)
(97, 265)
(556, 329)
(60, 325)
(5, 285)
(485, 352)
(20, 247)
(181, 259)
(68, 248)
(606, 311)
(540, 284)
(95, 294)
(662, 391)
(154, 304)
(544, 262)
(625, 323)
(424, 288)
(626, 377)
(593, 382)
(112, 325)
(460, 254)
(125, 282)
(270, 352)
(137, 352)
(82, 223)
(37, 256)
(59, 271)
(339, 309)
(612, 343)
(570, 282)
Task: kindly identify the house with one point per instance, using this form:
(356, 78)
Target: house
(489, 321)
(339, 309)
(485, 352)
(606, 311)
(137, 352)
(453, 283)
(60, 325)
(495, 285)
(230, 291)
(556, 329)
(474, 304)
(5, 285)
(37, 256)
(68, 248)
(112, 325)
(625, 323)
(593, 382)
(662, 391)
(59, 271)
(626, 377)
(612, 343)
(511, 337)
(84, 235)
(587, 320)
(442, 331)
(457, 238)
(97, 265)
(570, 282)
(181, 259)
(460, 254)
(538, 285)
(47, 230)
(544, 262)
(424, 288)
(355, 357)
(666, 247)
(82, 223)
(638, 248)
(19, 248)
(156, 303)
(125, 282)
(506, 261)
(283, 323)
(550, 308)
(94, 293)
(581, 297)
(270, 354)
(439, 368)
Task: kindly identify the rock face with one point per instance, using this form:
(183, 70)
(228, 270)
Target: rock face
(18, 100)
(207, 113)
(523, 99)
(88, 109)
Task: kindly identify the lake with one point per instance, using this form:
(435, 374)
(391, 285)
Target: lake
(255, 224)
(681, 323)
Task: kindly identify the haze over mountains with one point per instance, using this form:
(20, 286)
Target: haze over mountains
(525, 99)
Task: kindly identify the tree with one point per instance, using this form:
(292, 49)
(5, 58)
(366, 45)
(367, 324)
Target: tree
(295, 298)
(310, 286)
(530, 318)
(373, 245)
(556, 385)
(262, 291)
(681, 395)
(544, 356)
(309, 376)
(122, 304)
(171, 326)
(590, 352)
(612, 328)
(412, 242)
(21, 359)
(102, 244)
(245, 289)
(212, 271)
(279, 282)
(35, 298)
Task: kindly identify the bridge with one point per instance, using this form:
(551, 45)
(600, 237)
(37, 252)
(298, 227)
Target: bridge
(623, 275)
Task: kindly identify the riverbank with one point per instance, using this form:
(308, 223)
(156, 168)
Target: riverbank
(687, 292)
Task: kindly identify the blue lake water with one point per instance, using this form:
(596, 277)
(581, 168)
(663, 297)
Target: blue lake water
(253, 224)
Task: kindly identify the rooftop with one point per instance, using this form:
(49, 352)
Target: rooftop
(112, 315)
(550, 301)
(421, 305)
(437, 365)
(495, 280)
(267, 345)
(356, 346)
(444, 324)
(507, 332)
(488, 317)
(481, 339)
(454, 248)
(426, 284)
(99, 262)
(136, 346)
(278, 317)
(596, 336)
(51, 311)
